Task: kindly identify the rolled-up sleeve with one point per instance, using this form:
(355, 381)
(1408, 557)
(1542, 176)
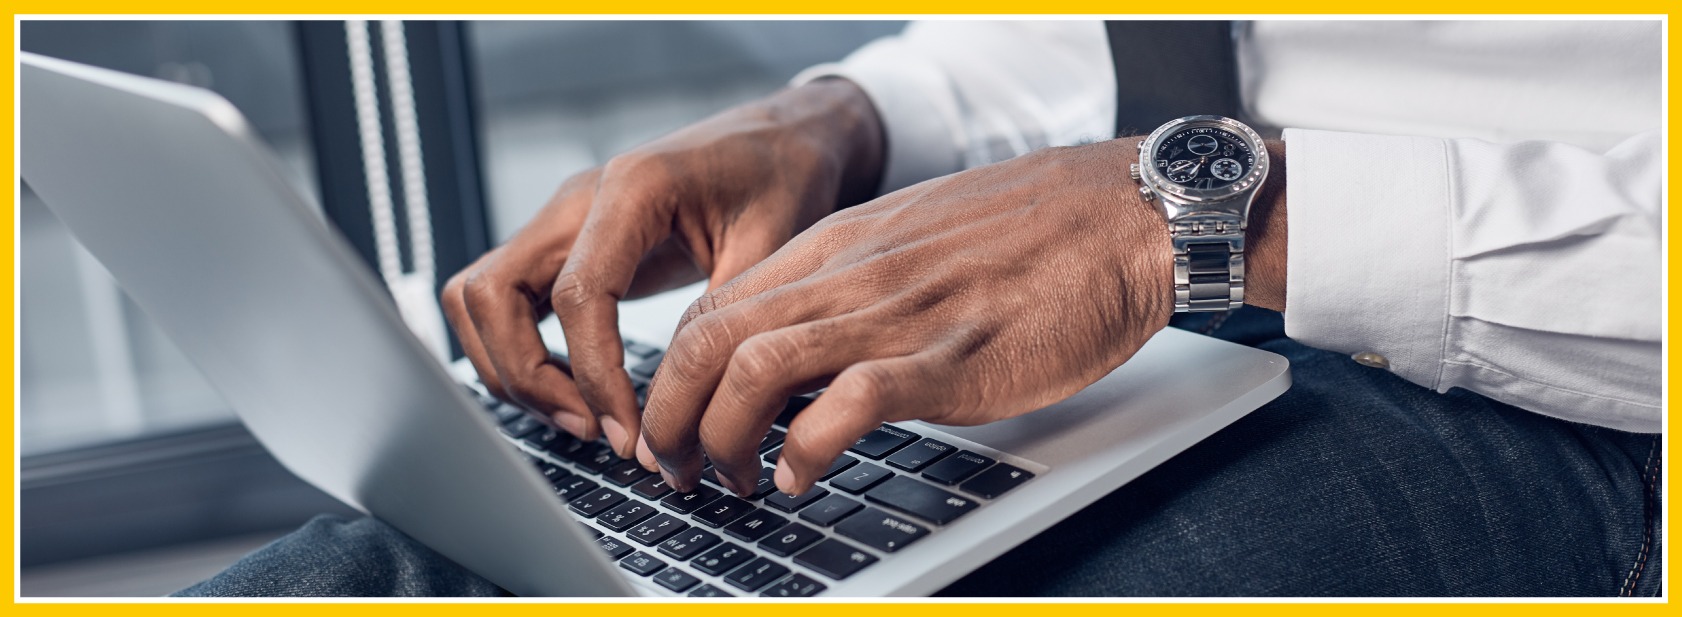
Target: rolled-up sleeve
(1528, 272)
(958, 94)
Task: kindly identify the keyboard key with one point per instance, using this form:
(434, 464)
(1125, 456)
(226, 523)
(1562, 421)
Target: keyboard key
(596, 502)
(573, 487)
(771, 455)
(797, 586)
(522, 427)
(860, 478)
(599, 459)
(793, 408)
(793, 503)
(840, 465)
(568, 447)
(507, 413)
(754, 526)
(709, 591)
(652, 487)
(553, 473)
(886, 438)
(657, 529)
(626, 474)
(721, 559)
(640, 350)
(996, 481)
(614, 546)
(829, 510)
(593, 532)
(834, 559)
(675, 579)
(921, 500)
(686, 545)
(646, 369)
(684, 503)
(766, 484)
(772, 440)
(956, 468)
(642, 563)
(755, 574)
(721, 511)
(920, 454)
(625, 515)
(790, 539)
(880, 530)
(544, 438)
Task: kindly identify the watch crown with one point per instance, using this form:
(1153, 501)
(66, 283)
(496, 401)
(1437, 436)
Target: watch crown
(1145, 192)
(1133, 171)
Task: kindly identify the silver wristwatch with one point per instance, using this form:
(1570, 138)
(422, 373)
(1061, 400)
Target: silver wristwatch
(1203, 171)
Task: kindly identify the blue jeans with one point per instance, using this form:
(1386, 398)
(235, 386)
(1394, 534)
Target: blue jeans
(1353, 483)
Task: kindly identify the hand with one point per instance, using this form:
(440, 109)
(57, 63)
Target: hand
(963, 300)
(708, 201)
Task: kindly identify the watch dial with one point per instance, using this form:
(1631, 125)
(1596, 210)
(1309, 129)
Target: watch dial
(1204, 157)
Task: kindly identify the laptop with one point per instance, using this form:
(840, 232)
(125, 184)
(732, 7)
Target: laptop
(169, 188)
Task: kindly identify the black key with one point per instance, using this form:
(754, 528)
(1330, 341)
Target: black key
(772, 440)
(521, 427)
(640, 350)
(675, 579)
(829, 510)
(921, 500)
(553, 473)
(997, 480)
(755, 525)
(840, 465)
(793, 408)
(600, 459)
(642, 563)
(956, 468)
(771, 456)
(641, 390)
(721, 511)
(721, 559)
(506, 413)
(544, 438)
(685, 545)
(797, 586)
(626, 473)
(886, 438)
(625, 515)
(755, 574)
(593, 532)
(646, 369)
(920, 454)
(860, 478)
(596, 502)
(574, 487)
(880, 530)
(793, 503)
(652, 487)
(615, 547)
(568, 447)
(835, 559)
(657, 529)
(766, 484)
(685, 503)
(790, 539)
(711, 475)
(709, 591)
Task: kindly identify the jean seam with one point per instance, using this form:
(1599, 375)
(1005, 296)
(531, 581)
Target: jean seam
(1214, 323)
(1649, 482)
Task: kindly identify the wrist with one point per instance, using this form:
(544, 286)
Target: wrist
(844, 121)
(1265, 237)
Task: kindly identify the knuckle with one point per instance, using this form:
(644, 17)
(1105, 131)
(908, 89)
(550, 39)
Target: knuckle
(477, 290)
(761, 359)
(866, 387)
(570, 292)
(701, 345)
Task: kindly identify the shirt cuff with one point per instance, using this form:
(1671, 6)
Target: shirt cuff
(1368, 255)
(915, 105)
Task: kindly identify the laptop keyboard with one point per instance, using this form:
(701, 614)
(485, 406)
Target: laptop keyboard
(893, 488)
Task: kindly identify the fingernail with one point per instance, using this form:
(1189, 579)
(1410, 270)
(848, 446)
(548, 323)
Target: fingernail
(571, 424)
(616, 435)
(646, 456)
(784, 478)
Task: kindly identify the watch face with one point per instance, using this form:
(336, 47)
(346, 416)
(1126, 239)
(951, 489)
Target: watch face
(1204, 157)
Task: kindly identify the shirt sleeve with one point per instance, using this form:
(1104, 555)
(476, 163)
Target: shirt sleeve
(1528, 272)
(959, 94)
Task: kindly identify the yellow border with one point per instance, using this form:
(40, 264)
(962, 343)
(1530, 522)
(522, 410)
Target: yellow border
(252, 7)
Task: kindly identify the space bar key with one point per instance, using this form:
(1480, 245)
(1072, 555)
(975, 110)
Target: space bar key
(920, 500)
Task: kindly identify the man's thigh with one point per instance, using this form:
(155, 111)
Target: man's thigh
(1358, 483)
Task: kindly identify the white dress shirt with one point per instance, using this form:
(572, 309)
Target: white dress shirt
(1478, 202)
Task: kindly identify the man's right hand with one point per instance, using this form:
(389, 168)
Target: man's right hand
(708, 201)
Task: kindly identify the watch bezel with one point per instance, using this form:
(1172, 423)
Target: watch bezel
(1163, 186)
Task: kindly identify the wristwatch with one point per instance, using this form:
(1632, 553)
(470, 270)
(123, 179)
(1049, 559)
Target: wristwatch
(1203, 172)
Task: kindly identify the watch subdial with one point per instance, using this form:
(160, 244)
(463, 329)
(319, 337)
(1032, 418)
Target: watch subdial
(1202, 145)
(1182, 171)
(1226, 169)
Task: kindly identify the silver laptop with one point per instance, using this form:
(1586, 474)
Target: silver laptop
(168, 187)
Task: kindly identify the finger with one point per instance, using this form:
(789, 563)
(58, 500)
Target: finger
(860, 399)
(455, 311)
(506, 321)
(768, 368)
(632, 214)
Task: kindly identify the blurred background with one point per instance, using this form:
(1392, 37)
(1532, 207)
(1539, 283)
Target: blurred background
(136, 478)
